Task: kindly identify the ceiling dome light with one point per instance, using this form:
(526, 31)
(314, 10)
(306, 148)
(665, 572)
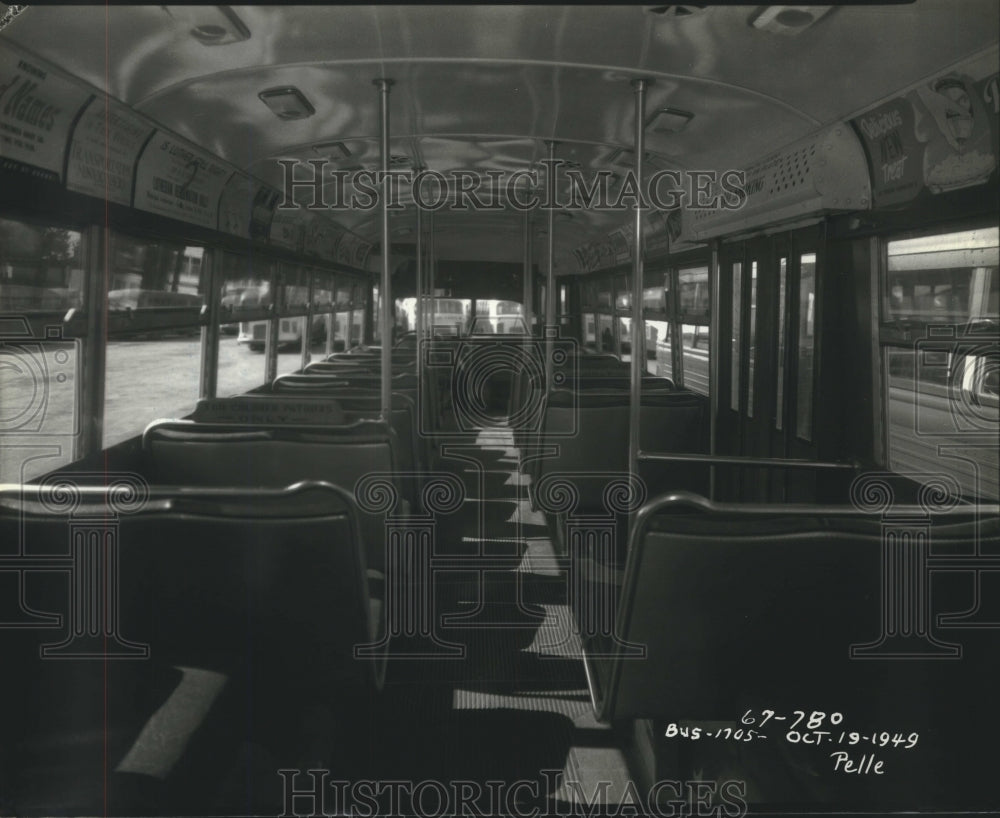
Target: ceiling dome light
(789, 20)
(210, 25)
(287, 103)
(677, 9)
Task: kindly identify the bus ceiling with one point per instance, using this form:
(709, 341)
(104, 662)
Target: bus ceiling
(203, 88)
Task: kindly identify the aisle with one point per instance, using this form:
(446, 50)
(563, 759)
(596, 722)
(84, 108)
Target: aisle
(511, 711)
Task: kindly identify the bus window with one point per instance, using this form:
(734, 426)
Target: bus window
(295, 286)
(450, 315)
(695, 350)
(625, 337)
(156, 292)
(694, 291)
(604, 292)
(343, 298)
(41, 278)
(148, 275)
(623, 294)
(41, 268)
(357, 336)
(590, 331)
(291, 335)
(806, 345)
(604, 330)
(341, 330)
(245, 295)
(148, 379)
(653, 300)
(658, 338)
(941, 398)
(948, 277)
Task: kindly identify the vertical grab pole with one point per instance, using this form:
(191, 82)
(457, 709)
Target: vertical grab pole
(638, 351)
(431, 269)
(385, 296)
(208, 380)
(528, 283)
(550, 279)
(420, 286)
(715, 355)
(92, 364)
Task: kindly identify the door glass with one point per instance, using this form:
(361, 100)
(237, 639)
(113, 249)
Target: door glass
(695, 349)
(807, 345)
(734, 361)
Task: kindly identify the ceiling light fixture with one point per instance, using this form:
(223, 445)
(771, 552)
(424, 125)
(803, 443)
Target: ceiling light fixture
(287, 103)
(677, 9)
(325, 148)
(669, 121)
(789, 20)
(210, 25)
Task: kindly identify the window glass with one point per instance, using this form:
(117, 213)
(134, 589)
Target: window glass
(291, 330)
(342, 330)
(939, 397)
(357, 328)
(623, 293)
(605, 333)
(245, 286)
(359, 293)
(450, 315)
(159, 276)
(240, 367)
(807, 345)
(625, 337)
(149, 379)
(245, 292)
(41, 268)
(694, 298)
(38, 407)
(951, 277)
(497, 317)
(658, 360)
(653, 299)
(590, 331)
(323, 290)
(734, 358)
(343, 292)
(295, 286)
(779, 404)
(695, 351)
(604, 292)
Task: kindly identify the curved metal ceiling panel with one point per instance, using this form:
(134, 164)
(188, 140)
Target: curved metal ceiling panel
(481, 87)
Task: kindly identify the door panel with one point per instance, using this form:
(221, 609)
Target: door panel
(767, 374)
